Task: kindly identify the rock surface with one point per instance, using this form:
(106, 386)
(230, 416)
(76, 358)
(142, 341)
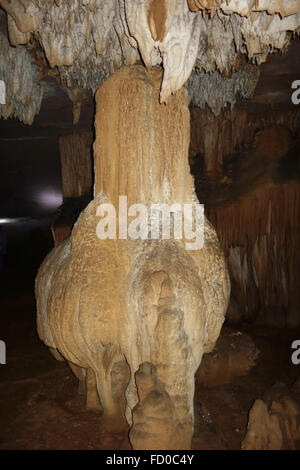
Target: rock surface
(23, 92)
(274, 421)
(84, 41)
(245, 164)
(107, 303)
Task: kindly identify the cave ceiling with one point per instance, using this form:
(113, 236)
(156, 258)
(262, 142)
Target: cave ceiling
(54, 54)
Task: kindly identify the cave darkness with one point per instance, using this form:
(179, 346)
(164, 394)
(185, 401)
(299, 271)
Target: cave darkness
(250, 157)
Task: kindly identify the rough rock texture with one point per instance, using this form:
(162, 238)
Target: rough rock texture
(274, 422)
(156, 138)
(66, 216)
(155, 416)
(245, 7)
(215, 91)
(247, 164)
(107, 303)
(76, 163)
(263, 261)
(219, 139)
(23, 92)
(76, 174)
(89, 39)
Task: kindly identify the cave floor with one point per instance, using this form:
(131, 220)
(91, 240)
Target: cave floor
(40, 407)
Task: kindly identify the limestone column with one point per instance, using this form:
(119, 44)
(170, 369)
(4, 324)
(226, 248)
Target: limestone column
(141, 151)
(144, 305)
(141, 147)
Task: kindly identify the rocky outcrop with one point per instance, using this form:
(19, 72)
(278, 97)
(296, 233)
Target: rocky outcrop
(155, 424)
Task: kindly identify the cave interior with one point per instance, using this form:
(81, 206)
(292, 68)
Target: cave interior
(244, 156)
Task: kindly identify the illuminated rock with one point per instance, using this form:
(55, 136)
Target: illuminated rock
(108, 304)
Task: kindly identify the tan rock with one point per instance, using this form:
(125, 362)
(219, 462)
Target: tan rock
(274, 422)
(106, 304)
(86, 41)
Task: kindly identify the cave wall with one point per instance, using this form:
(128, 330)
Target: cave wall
(76, 163)
(77, 179)
(246, 168)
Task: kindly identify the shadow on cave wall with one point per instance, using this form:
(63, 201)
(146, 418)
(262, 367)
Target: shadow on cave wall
(245, 170)
(251, 194)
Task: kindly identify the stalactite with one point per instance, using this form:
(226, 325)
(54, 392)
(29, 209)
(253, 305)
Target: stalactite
(23, 92)
(89, 40)
(216, 91)
(245, 7)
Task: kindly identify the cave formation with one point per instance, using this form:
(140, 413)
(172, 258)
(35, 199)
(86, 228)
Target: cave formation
(164, 101)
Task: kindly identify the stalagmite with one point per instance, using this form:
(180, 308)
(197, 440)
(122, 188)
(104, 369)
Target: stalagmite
(274, 420)
(106, 303)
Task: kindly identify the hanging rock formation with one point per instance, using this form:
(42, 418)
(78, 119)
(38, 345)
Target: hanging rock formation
(216, 91)
(87, 40)
(23, 92)
(103, 304)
